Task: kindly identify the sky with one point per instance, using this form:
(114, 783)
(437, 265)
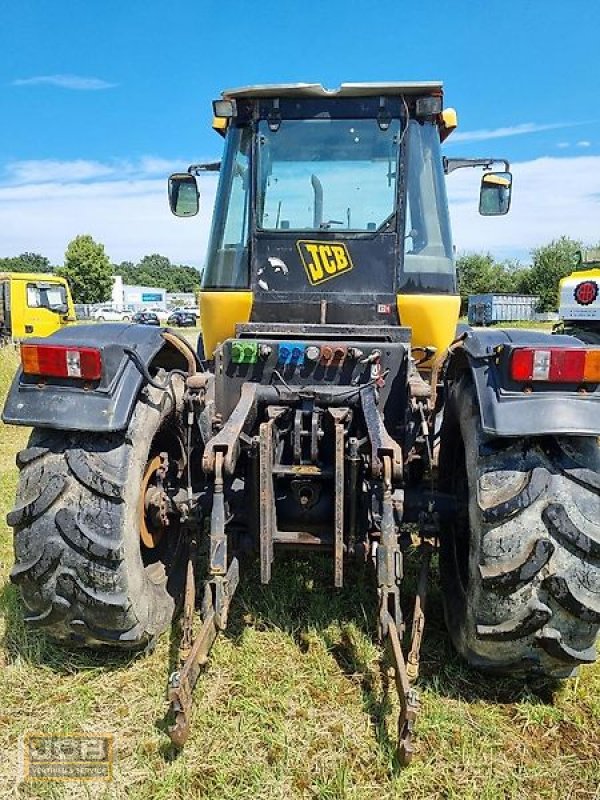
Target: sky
(101, 99)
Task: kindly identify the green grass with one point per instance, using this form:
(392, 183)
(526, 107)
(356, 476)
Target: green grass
(292, 704)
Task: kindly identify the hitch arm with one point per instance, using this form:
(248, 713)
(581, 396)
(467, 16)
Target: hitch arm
(182, 682)
(218, 591)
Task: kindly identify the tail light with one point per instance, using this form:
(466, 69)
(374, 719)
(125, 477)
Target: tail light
(61, 361)
(555, 365)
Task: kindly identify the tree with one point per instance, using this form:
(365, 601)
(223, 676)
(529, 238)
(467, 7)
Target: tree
(551, 262)
(478, 273)
(88, 270)
(155, 265)
(26, 262)
(157, 270)
(126, 269)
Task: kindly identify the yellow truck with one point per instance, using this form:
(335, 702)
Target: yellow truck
(33, 304)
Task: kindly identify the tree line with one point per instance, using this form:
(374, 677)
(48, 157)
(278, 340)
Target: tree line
(480, 273)
(89, 272)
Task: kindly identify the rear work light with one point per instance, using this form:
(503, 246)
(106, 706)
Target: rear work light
(61, 361)
(555, 365)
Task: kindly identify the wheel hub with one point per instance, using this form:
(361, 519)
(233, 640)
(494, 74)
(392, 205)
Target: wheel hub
(154, 517)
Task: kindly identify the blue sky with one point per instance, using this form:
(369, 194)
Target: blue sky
(101, 100)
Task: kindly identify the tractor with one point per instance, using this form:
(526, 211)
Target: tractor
(333, 403)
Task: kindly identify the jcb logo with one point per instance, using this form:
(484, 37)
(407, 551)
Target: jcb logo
(324, 261)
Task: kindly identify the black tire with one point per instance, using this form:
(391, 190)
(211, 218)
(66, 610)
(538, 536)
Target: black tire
(587, 335)
(520, 560)
(84, 575)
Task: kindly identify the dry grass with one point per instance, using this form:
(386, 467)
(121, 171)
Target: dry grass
(292, 704)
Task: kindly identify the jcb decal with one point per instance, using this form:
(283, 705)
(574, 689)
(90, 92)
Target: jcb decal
(323, 261)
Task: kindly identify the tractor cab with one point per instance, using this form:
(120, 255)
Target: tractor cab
(331, 208)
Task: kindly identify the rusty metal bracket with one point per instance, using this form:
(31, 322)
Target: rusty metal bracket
(189, 603)
(218, 539)
(339, 417)
(390, 623)
(418, 623)
(193, 656)
(267, 511)
(381, 442)
(228, 439)
(408, 696)
(388, 558)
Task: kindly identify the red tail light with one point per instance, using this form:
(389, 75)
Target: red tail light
(555, 365)
(61, 361)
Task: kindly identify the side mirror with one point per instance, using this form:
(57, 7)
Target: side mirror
(495, 193)
(183, 194)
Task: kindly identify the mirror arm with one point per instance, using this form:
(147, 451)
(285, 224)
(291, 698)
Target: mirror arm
(451, 164)
(209, 166)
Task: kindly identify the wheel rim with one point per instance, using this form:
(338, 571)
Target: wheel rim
(151, 528)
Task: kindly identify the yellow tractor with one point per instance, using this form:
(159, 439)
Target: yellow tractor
(331, 405)
(33, 304)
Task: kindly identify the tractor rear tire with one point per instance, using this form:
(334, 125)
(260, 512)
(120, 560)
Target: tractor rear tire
(84, 575)
(520, 560)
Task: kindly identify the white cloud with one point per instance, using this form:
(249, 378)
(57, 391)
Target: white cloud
(551, 197)
(584, 143)
(62, 172)
(513, 130)
(77, 82)
(563, 145)
(123, 204)
(119, 204)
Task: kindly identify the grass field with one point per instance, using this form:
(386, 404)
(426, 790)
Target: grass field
(292, 704)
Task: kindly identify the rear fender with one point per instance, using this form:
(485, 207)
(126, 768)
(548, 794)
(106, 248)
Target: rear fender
(106, 406)
(504, 408)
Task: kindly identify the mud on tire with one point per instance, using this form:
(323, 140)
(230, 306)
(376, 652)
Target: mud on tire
(520, 562)
(83, 573)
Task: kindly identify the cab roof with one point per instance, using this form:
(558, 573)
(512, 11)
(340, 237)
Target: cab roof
(345, 90)
(35, 277)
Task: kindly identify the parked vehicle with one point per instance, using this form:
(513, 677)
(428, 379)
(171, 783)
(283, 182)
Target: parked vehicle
(33, 304)
(182, 319)
(109, 314)
(161, 313)
(187, 309)
(146, 318)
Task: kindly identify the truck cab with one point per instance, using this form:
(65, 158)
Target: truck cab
(33, 304)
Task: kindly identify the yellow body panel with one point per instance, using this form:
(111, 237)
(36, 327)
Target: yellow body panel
(583, 273)
(432, 317)
(219, 314)
(27, 320)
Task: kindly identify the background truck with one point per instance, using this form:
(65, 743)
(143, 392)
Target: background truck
(331, 406)
(579, 308)
(33, 304)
